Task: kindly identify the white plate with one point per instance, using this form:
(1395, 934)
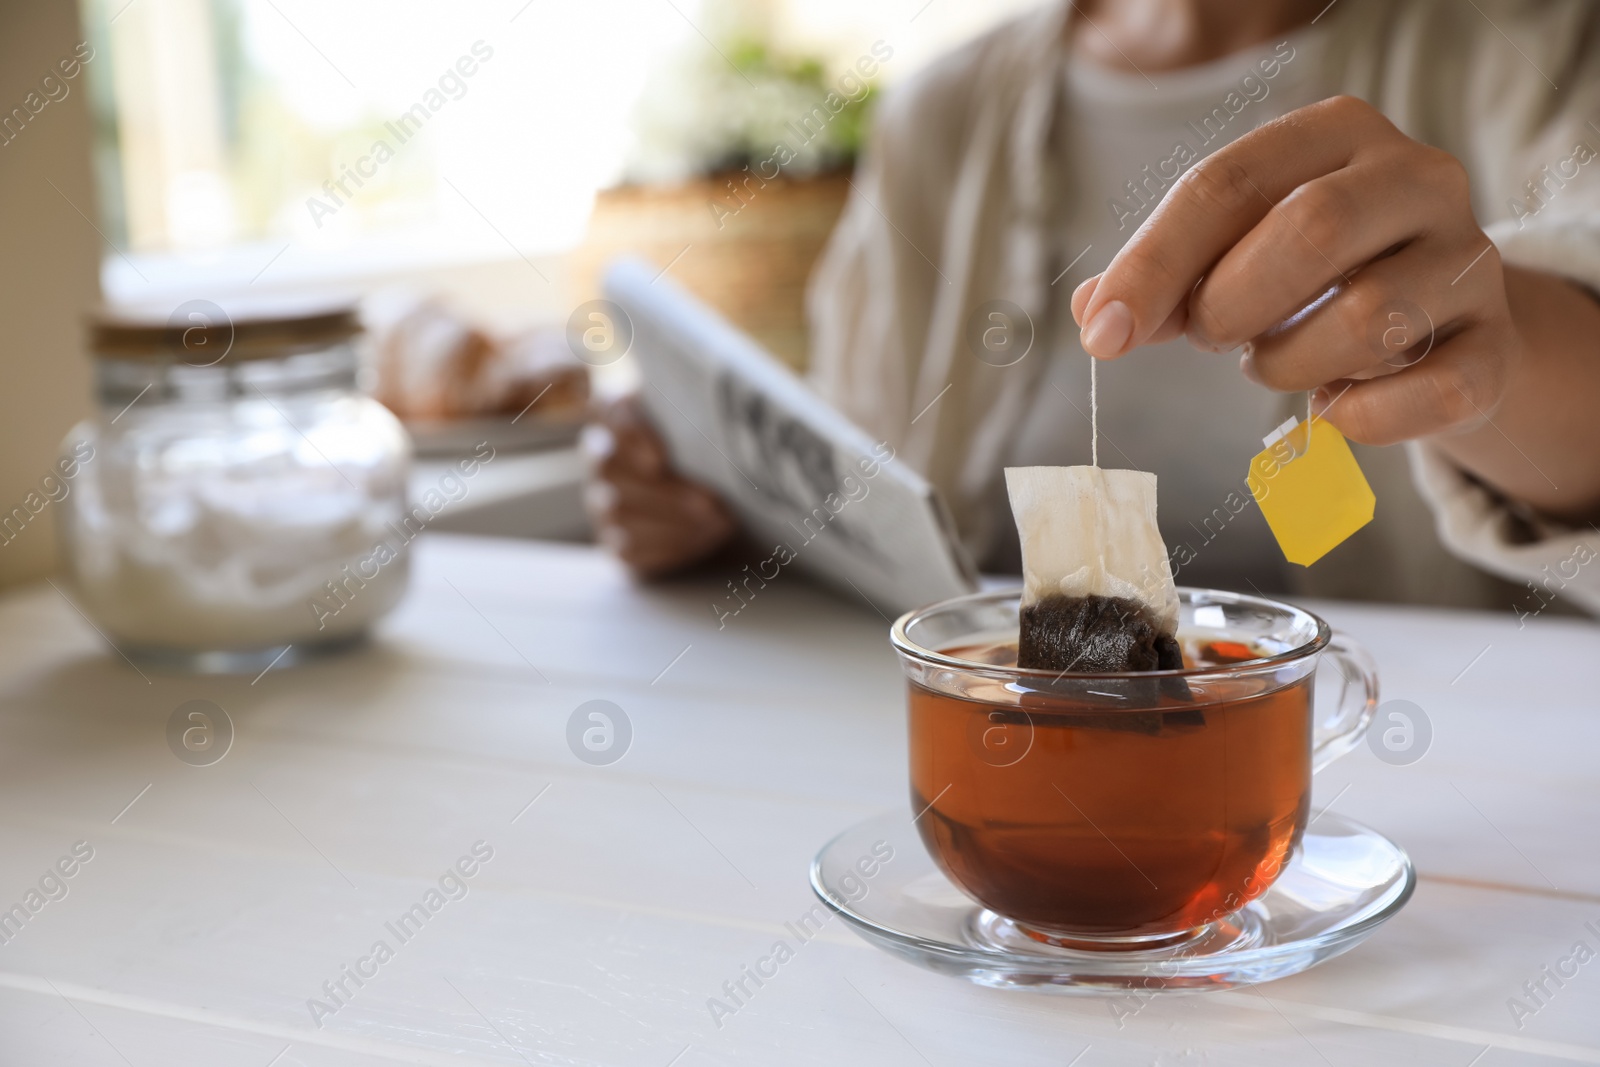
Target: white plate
(457, 437)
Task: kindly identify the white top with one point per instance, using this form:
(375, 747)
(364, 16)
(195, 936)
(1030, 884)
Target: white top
(218, 902)
(1187, 416)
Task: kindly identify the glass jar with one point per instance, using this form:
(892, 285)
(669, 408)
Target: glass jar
(236, 498)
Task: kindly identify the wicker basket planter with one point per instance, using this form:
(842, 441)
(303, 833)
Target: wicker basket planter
(747, 253)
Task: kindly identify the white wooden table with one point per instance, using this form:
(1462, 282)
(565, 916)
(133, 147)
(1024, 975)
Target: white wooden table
(220, 901)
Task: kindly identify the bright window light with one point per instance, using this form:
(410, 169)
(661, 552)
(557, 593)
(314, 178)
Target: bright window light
(287, 140)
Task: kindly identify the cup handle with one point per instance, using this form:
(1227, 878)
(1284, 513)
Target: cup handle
(1339, 732)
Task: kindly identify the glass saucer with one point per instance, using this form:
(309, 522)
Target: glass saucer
(1341, 884)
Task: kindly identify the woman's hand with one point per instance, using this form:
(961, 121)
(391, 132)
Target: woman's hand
(655, 520)
(1345, 258)
(1330, 203)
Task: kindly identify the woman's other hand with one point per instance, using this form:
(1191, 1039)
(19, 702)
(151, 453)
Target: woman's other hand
(655, 520)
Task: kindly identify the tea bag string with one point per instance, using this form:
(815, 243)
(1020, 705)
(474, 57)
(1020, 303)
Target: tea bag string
(1094, 413)
(1311, 417)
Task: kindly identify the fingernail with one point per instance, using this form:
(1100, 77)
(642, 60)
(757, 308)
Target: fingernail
(1108, 330)
(1085, 291)
(1247, 364)
(1321, 397)
(597, 442)
(599, 497)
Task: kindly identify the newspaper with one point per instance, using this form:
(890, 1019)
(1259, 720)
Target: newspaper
(830, 500)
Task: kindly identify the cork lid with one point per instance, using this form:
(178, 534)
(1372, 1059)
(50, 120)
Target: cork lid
(204, 332)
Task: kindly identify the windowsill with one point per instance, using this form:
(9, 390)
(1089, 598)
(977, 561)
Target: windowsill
(485, 277)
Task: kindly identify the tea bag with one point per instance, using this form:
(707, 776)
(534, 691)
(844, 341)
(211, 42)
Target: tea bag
(1098, 594)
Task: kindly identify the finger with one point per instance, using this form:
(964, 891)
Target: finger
(651, 549)
(623, 449)
(624, 497)
(675, 501)
(1081, 297)
(623, 411)
(1457, 387)
(623, 460)
(626, 415)
(650, 554)
(596, 442)
(1214, 204)
(664, 538)
(1320, 234)
(1393, 313)
(642, 450)
(1173, 327)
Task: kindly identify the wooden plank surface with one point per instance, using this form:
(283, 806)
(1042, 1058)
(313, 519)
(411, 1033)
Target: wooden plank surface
(217, 904)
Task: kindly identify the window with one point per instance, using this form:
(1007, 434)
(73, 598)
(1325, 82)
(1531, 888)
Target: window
(285, 141)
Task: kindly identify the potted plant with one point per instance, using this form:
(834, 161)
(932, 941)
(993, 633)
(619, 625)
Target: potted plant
(738, 172)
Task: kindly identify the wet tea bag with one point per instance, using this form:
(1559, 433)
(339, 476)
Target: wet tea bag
(1097, 594)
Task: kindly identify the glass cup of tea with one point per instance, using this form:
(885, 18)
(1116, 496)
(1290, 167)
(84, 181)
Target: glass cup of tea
(1128, 810)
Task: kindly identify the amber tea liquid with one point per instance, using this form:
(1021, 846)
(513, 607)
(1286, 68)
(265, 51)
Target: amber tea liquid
(1082, 819)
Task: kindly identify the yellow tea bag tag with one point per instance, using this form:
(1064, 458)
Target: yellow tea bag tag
(1313, 494)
